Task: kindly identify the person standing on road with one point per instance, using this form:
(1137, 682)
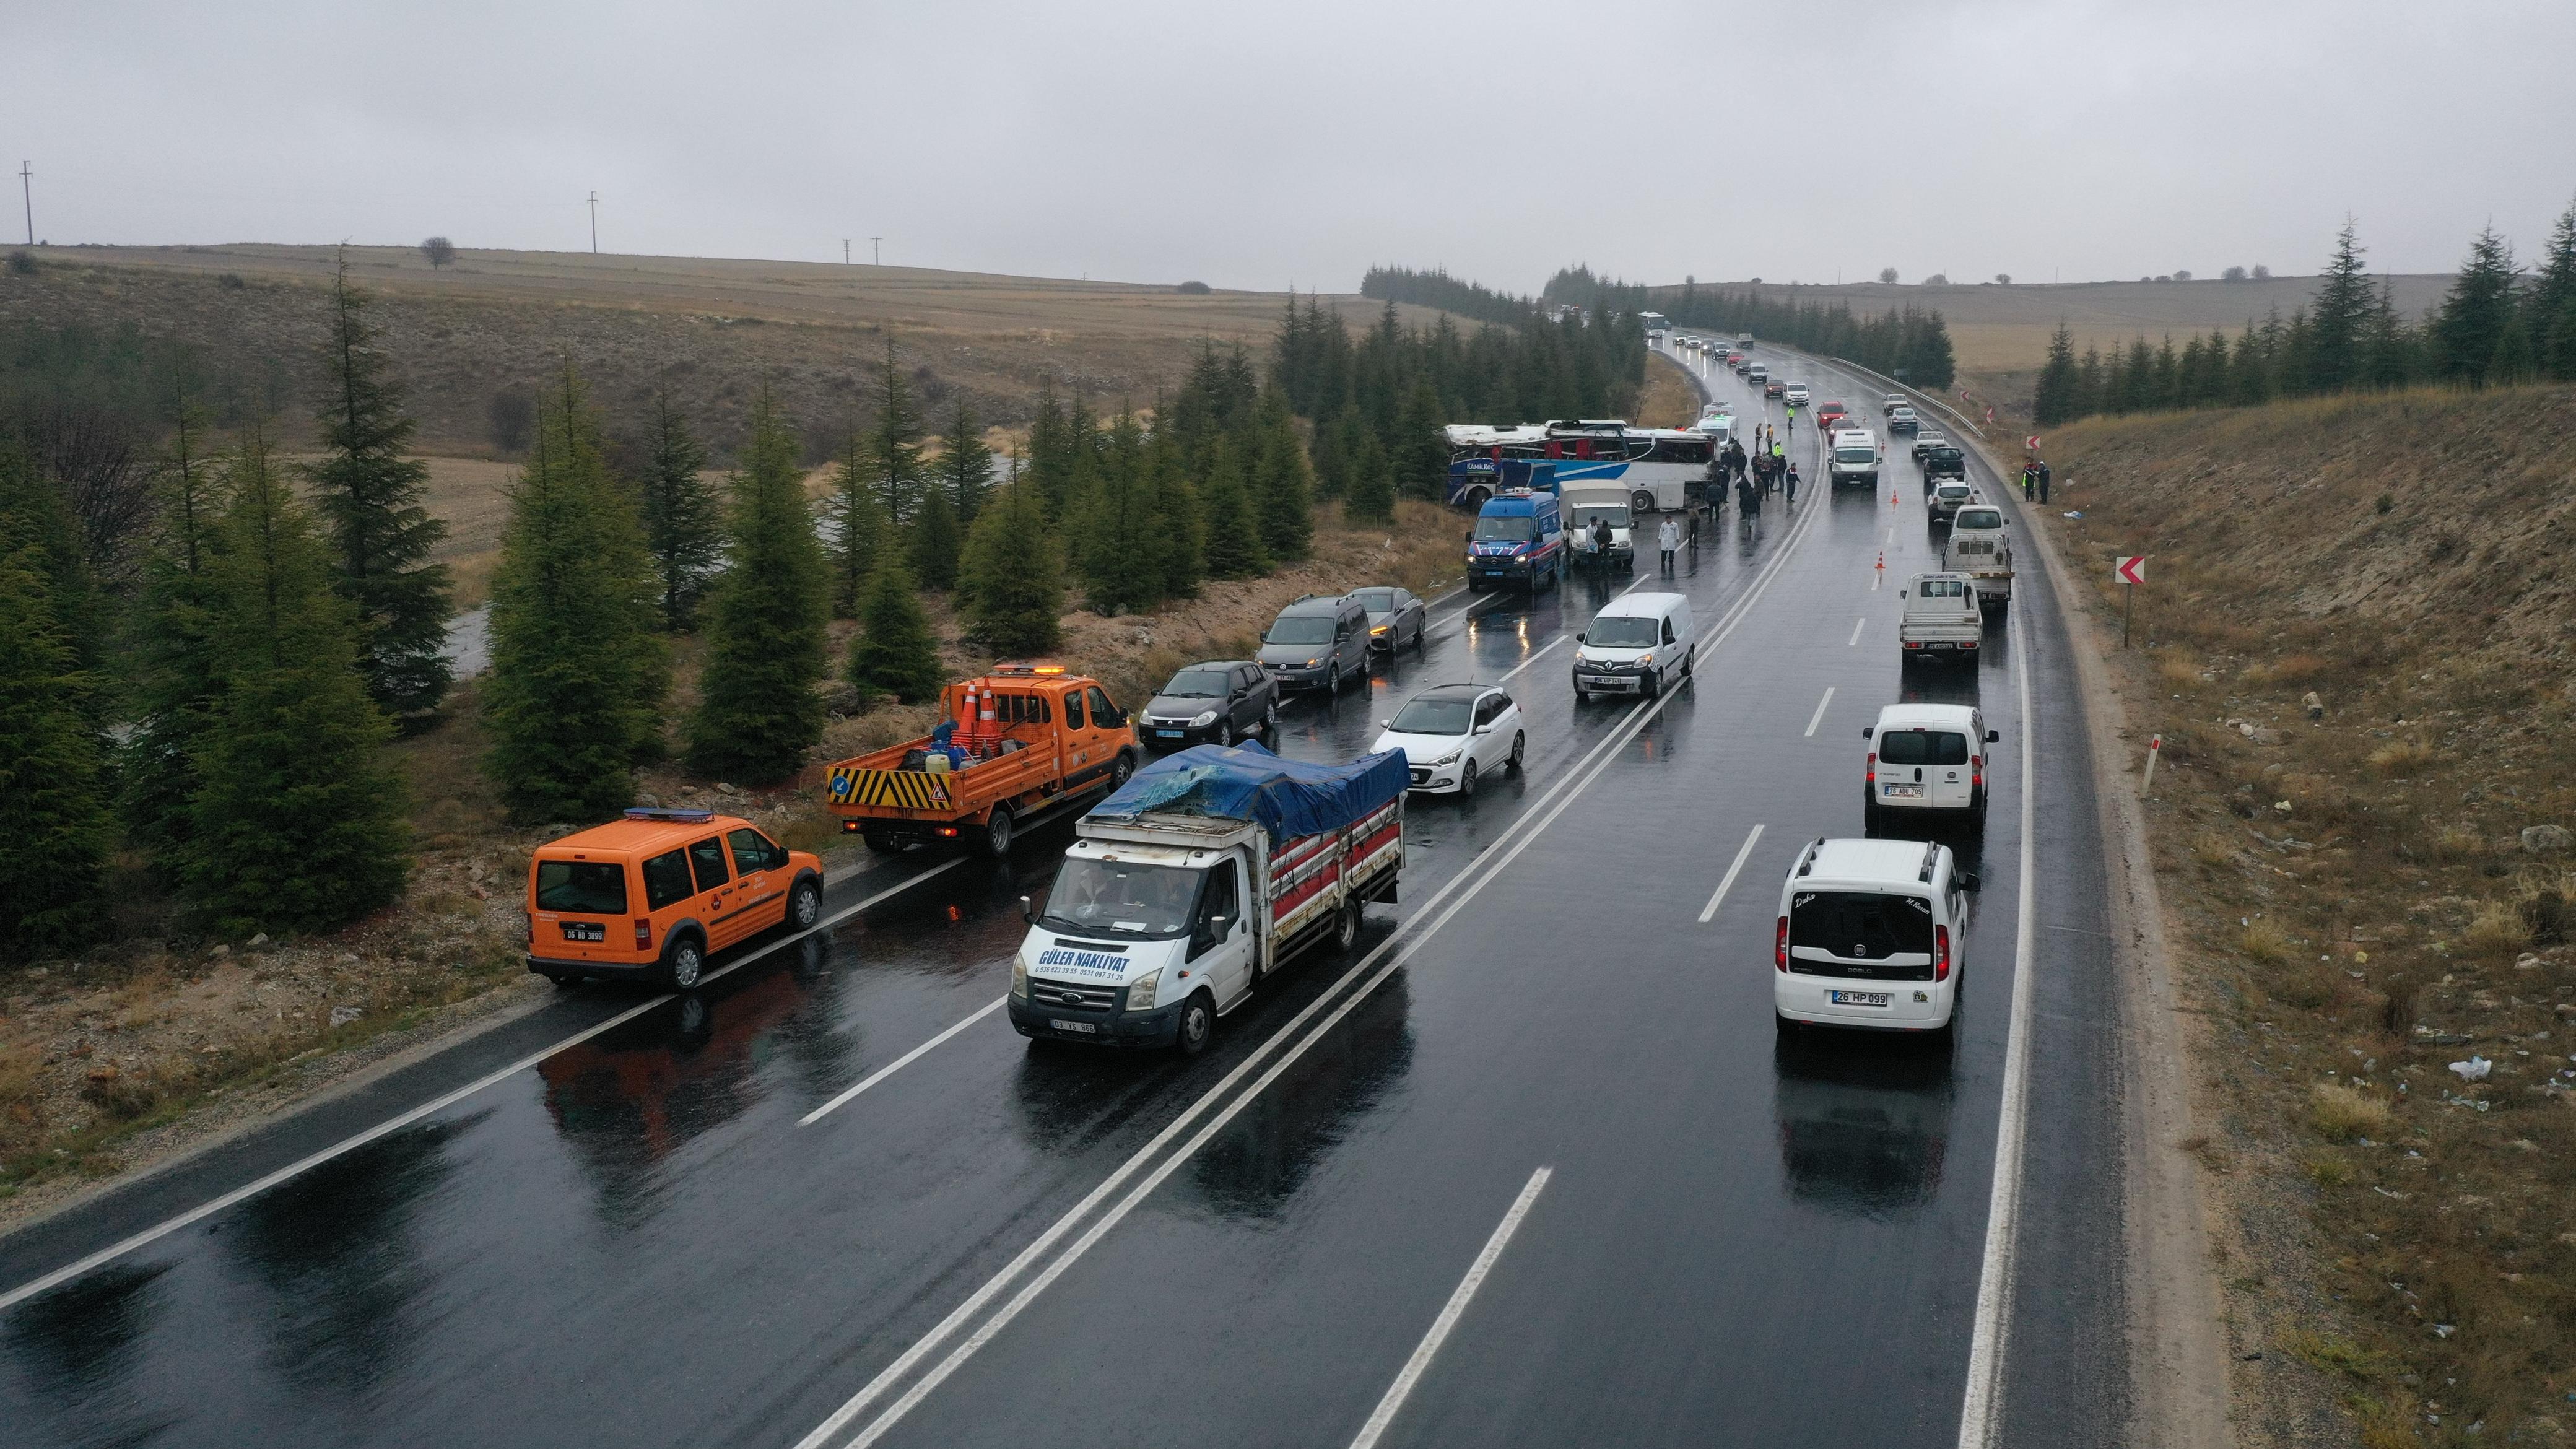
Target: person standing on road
(1601, 543)
(2029, 481)
(1669, 536)
(2043, 480)
(1793, 484)
(1748, 505)
(1779, 464)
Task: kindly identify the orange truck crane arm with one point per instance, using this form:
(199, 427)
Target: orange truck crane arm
(1021, 742)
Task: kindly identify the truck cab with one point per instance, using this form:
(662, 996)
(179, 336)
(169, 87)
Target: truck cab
(1190, 885)
(1518, 542)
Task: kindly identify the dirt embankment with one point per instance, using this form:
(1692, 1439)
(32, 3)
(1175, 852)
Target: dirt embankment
(2356, 643)
(146, 1047)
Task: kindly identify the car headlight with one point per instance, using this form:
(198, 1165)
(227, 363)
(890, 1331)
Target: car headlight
(1204, 717)
(1645, 659)
(1311, 663)
(1019, 979)
(1140, 992)
(1450, 758)
(1377, 628)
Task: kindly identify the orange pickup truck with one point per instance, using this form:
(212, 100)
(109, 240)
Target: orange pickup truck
(1022, 742)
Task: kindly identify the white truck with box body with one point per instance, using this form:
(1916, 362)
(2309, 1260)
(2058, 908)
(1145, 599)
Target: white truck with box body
(1587, 504)
(1195, 880)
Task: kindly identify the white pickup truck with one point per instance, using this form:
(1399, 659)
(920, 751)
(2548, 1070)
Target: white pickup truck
(1193, 882)
(1979, 548)
(1589, 503)
(1941, 619)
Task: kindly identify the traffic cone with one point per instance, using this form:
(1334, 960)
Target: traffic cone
(1882, 560)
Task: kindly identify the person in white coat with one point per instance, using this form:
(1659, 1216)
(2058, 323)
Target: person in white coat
(1669, 538)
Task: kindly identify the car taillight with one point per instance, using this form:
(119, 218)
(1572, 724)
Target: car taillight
(1873, 769)
(643, 934)
(1977, 771)
(1780, 947)
(1940, 952)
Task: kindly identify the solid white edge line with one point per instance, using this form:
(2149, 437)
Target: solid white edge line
(347, 1145)
(1726, 884)
(1819, 716)
(1856, 627)
(899, 1063)
(1451, 1312)
(1981, 1414)
(1567, 788)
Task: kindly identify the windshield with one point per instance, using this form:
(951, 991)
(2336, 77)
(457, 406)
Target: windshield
(1951, 492)
(1861, 925)
(1376, 601)
(1510, 528)
(1943, 589)
(1616, 513)
(1446, 716)
(582, 885)
(1120, 898)
(1300, 629)
(1855, 455)
(1970, 518)
(1197, 684)
(1922, 747)
(1944, 455)
(1623, 633)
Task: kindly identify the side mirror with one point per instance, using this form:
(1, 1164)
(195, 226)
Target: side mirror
(1969, 882)
(1469, 535)
(1028, 911)
(1993, 736)
(1216, 926)
(1867, 731)
(1386, 724)
(1578, 638)
(1900, 593)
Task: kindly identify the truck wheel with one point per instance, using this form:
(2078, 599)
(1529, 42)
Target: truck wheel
(805, 905)
(1346, 927)
(880, 843)
(685, 964)
(1197, 1025)
(998, 829)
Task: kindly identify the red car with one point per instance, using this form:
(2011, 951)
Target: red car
(1774, 388)
(1828, 416)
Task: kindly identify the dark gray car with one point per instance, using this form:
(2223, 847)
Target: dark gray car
(1396, 619)
(1217, 702)
(1318, 642)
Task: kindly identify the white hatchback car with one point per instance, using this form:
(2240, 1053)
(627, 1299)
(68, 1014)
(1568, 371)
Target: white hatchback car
(1929, 757)
(1453, 733)
(1871, 934)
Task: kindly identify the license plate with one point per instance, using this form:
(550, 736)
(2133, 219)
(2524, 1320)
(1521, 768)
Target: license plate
(584, 931)
(1088, 1028)
(1857, 998)
(1902, 792)
(1169, 734)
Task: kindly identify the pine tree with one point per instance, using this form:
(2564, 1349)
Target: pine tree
(1051, 449)
(932, 543)
(370, 494)
(683, 524)
(1335, 437)
(174, 687)
(1420, 456)
(1174, 519)
(894, 443)
(299, 824)
(964, 471)
(1372, 497)
(1283, 489)
(894, 653)
(855, 524)
(1011, 579)
(2471, 324)
(578, 675)
(757, 709)
(2053, 401)
(35, 510)
(1233, 547)
(54, 827)
(1117, 555)
(2551, 304)
(2339, 317)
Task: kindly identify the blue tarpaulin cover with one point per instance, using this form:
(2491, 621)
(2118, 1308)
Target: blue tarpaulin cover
(1288, 798)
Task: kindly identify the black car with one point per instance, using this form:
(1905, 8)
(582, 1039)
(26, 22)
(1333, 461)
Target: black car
(1396, 619)
(1222, 701)
(1946, 461)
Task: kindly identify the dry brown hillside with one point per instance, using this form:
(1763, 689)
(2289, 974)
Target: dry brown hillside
(2356, 642)
(716, 330)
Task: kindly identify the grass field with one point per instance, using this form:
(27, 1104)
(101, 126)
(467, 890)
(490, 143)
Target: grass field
(715, 332)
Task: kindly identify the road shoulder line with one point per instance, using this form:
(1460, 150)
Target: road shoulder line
(1451, 1312)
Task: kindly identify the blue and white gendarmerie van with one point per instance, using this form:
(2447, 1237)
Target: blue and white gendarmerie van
(1196, 879)
(1871, 935)
(1518, 542)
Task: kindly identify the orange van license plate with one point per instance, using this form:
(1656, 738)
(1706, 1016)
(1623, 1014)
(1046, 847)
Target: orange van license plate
(584, 931)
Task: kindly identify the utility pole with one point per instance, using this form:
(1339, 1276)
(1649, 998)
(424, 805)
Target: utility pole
(27, 189)
(878, 243)
(845, 251)
(594, 223)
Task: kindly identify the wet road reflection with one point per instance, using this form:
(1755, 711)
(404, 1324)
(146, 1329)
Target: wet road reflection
(1257, 1164)
(1864, 1119)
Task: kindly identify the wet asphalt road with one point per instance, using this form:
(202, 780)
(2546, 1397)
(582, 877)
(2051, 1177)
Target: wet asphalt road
(632, 1240)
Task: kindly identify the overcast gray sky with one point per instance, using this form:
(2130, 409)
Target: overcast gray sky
(1253, 146)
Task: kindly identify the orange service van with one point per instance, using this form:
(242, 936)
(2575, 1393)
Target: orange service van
(649, 896)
